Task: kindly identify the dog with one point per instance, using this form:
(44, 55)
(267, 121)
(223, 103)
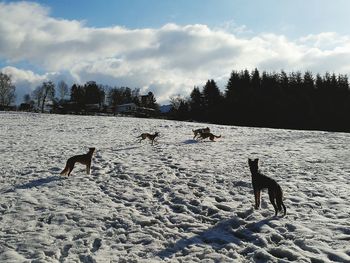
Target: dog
(209, 135)
(260, 182)
(199, 131)
(83, 159)
(146, 135)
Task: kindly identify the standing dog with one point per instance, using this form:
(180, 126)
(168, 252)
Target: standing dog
(198, 132)
(209, 135)
(260, 182)
(152, 137)
(83, 159)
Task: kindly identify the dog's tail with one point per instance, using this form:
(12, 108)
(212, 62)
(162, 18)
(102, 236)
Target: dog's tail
(217, 136)
(279, 200)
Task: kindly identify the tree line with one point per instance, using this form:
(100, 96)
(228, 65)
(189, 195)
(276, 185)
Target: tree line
(269, 99)
(80, 98)
(278, 99)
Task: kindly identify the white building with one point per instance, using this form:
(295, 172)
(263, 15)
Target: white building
(126, 108)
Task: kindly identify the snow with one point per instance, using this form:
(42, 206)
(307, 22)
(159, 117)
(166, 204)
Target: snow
(177, 201)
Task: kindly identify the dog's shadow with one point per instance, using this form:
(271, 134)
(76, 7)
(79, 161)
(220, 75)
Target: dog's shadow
(228, 231)
(191, 141)
(36, 183)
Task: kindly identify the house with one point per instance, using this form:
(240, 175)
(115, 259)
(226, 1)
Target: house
(94, 107)
(7, 108)
(126, 108)
(145, 112)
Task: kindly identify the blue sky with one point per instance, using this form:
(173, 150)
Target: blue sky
(165, 46)
(293, 18)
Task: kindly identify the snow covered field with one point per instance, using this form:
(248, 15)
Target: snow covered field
(177, 201)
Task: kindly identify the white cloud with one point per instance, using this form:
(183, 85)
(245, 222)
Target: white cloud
(167, 60)
(26, 80)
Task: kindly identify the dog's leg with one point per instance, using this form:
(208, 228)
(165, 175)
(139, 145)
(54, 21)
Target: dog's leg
(279, 200)
(88, 166)
(280, 204)
(284, 208)
(272, 200)
(70, 169)
(64, 172)
(257, 198)
(155, 140)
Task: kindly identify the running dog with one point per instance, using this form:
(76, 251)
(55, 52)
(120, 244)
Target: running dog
(146, 135)
(198, 132)
(83, 159)
(209, 135)
(260, 182)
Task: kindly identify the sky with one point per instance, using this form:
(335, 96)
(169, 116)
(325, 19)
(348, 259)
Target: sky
(168, 46)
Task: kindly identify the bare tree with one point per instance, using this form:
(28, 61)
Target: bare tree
(48, 92)
(7, 90)
(37, 96)
(62, 88)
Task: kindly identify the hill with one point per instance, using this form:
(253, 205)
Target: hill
(179, 200)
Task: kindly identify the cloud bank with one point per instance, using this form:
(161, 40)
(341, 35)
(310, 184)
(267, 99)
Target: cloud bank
(168, 60)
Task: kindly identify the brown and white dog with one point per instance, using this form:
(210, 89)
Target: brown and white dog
(151, 137)
(198, 132)
(83, 159)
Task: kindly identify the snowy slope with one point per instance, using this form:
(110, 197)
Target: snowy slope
(177, 201)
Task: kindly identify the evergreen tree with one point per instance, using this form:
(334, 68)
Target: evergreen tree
(196, 104)
(93, 94)
(212, 101)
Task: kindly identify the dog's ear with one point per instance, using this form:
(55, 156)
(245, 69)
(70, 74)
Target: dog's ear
(256, 160)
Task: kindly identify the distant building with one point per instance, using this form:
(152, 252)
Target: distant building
(7, 108)
(134, 110)
(145, 112)
(126, 108)
(94, 107)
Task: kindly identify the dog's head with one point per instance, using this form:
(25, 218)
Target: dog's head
(253, 165)
(91, 149)
(156, 134)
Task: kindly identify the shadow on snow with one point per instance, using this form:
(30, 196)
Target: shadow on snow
(36, 183)
(235, 230)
